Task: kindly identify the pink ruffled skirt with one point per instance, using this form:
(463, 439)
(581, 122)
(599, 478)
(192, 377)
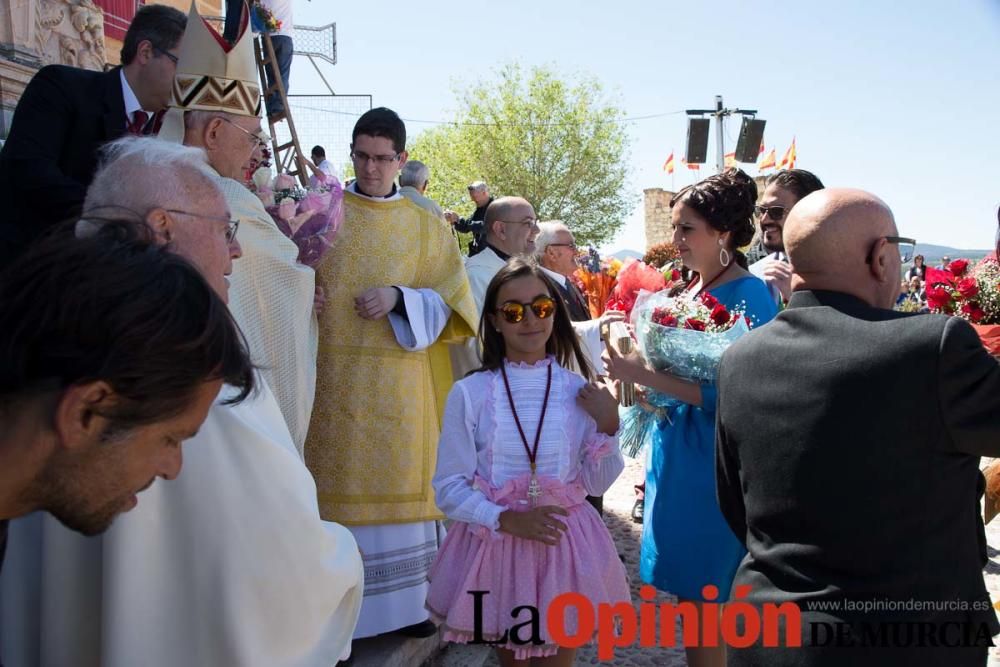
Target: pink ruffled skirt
(516, 571)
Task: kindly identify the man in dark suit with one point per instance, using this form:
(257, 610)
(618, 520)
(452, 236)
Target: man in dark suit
(848, 445)
(66, 114)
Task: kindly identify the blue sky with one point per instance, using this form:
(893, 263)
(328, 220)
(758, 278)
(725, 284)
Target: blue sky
(901, 99)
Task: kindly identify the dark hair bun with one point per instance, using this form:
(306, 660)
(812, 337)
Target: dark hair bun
(726, 201)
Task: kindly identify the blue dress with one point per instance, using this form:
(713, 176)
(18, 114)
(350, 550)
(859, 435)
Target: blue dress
(686, 542)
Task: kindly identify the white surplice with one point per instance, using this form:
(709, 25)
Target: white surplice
(229, 564)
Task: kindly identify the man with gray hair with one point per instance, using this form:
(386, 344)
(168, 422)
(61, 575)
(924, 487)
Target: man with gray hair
(555, 251)
(413, 180)
(476, 223)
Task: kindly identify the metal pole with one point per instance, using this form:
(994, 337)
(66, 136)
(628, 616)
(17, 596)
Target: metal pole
(720, 134)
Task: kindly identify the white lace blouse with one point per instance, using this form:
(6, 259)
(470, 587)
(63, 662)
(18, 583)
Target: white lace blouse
(480, 438)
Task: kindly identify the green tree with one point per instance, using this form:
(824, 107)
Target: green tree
(559, 144)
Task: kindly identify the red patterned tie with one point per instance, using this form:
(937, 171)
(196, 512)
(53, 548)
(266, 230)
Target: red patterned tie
(139, 120)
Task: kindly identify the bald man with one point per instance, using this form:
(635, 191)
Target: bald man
(848, 444)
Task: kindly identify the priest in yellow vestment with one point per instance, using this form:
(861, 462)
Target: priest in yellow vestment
(396, 296)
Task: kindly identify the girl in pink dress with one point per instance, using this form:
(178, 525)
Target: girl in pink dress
(523, 442)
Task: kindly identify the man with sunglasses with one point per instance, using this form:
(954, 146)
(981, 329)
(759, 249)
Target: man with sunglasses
(847, 454)
(66, 113)
(780, 194)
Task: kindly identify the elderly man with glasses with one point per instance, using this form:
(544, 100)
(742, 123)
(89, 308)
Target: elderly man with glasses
(780, 194)
(847, 454)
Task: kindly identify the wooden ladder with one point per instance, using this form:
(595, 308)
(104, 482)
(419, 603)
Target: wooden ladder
(288, 156)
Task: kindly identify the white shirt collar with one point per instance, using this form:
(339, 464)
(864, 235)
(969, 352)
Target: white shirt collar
(393, 197)
(558, 277)
(131, 101)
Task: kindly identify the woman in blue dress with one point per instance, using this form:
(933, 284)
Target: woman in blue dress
(686, 543)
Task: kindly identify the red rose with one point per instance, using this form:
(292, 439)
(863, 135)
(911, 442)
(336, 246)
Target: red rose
(697, 325)
(974, 312)
(958, 267)
(667, 320)
(709, 300)
(675, 275)
(720, 315)
(938, 298)
(967, 287)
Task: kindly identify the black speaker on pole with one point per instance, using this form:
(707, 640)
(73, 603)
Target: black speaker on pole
(751, 135)
(697, 146)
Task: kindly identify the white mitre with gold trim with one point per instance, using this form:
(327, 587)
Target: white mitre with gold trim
(212, 75)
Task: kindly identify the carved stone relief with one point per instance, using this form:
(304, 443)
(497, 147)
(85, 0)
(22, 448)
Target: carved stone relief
(70, 32)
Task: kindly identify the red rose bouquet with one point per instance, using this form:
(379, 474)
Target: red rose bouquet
(684, 337)
(969, 292)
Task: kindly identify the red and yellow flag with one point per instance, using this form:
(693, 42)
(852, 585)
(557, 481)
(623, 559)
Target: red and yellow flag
(690, 165)
(761, 151)
(768, 162)
(729, 160)
(788, 161)
(668, 166)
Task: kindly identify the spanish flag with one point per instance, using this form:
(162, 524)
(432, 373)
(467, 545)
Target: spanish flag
(761, 151)
(729, 160)
(690, 165)
(788, 161)
(768, 162)
(668, 166)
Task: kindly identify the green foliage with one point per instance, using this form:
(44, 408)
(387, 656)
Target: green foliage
(559, 144)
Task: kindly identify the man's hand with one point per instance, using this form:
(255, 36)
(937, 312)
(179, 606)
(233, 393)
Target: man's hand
(451, 217)
(376, 303)
(538, 524)
(319, 300)
(597, 401)
(779, 273)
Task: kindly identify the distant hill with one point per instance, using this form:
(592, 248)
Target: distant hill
(934, 253)
(626, 254)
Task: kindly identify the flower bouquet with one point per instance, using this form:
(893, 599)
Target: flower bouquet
(633, 278)
(310, 218)
(970, 293)
(596, 278)
(684, 337)
(262, 19)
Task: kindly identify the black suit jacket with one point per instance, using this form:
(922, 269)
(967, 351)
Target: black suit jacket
(848, 445)
(50, 156)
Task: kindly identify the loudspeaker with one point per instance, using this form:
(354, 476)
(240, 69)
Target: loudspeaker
(751, 135)
(697, 146)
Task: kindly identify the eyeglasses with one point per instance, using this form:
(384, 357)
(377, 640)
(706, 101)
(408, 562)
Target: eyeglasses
(256, 138)
(776, 213)
(571, 246)
(533, 222)
(906, 247)
(169, 55)
(233, 225)
(381, 160)
(542, 306)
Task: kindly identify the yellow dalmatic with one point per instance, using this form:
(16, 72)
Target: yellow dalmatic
(373, 436)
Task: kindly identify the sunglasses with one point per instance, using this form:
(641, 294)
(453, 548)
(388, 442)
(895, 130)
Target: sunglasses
(776, 213)
(542, 306)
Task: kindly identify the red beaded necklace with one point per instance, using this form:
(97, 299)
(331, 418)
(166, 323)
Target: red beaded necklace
(534, 490)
